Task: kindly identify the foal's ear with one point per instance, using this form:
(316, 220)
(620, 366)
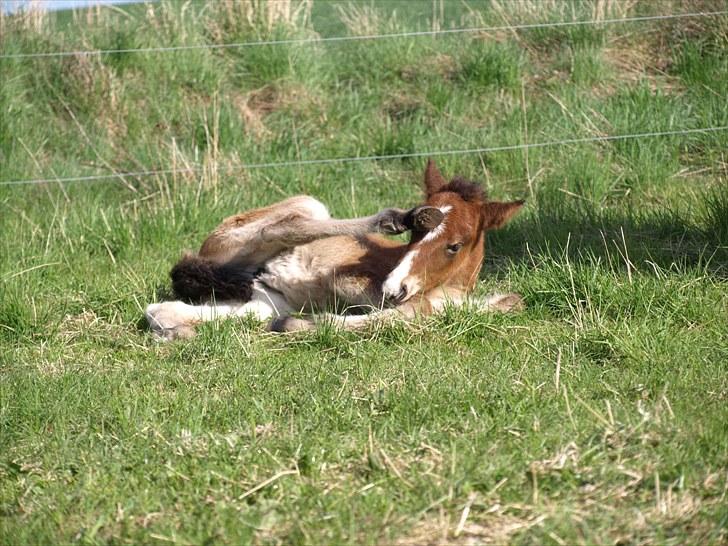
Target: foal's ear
(433, 179)
(496, 214)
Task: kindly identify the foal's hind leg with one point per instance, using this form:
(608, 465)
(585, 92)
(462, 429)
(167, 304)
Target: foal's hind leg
(498, 302)
(175, 319)
(298, 230)
(253, 237)
(238, 238)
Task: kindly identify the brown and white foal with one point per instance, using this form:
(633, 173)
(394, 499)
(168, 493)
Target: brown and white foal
(291, 257)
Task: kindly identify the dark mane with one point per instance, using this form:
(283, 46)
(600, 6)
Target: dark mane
(468, 191)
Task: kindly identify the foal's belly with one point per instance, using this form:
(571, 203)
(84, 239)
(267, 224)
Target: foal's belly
(327, 273)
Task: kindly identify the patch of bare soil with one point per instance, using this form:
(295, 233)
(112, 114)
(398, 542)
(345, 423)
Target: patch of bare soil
(254, 106)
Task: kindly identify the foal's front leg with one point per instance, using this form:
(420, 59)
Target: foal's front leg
(434, 302)
(498, 302)
(405, 311)
(298, 230)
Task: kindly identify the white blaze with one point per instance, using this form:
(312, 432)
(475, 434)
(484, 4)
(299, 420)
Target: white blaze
(400, 275)
(393, 285)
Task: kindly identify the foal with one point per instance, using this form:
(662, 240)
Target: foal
(292, 257)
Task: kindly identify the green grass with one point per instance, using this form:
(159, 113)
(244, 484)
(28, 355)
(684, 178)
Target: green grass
(596, 416)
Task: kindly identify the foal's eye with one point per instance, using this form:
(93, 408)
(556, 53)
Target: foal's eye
(453, 248)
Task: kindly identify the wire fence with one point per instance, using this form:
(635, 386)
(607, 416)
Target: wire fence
(333, 39)
(336, 160)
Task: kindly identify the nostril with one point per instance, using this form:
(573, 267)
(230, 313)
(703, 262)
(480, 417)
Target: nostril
(398, 297)
(402, 293)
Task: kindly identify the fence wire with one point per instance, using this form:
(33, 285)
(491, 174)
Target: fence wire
(338, 39)
(338, 160)
(334, 39)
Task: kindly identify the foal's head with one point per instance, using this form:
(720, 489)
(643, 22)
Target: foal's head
(447, 244)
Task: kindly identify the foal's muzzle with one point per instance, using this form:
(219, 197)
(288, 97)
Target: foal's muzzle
(395, 299)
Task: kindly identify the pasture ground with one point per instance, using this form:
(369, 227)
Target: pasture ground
(596, 416)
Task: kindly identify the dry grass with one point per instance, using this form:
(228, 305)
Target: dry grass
(94, 84)
(442, 64)
(32, 18)
(366, 20)
(637, 61)
(542, 11)
(401, 106)
(497, 526)
(257, 104)
(226, 16)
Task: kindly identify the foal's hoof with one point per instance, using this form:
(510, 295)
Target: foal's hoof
(506, 303)
(290, 324)
(166, 323)
(423, 219)
(391, 221)
(170, 334)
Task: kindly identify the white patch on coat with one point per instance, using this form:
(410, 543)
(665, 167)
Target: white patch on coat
(393, 285)
(315, 208)
(400, 276)
(265, 303)
(299, 276)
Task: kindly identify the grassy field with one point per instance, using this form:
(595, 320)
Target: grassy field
(596, 416)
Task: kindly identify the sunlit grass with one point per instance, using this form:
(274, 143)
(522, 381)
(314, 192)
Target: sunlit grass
(596, 416)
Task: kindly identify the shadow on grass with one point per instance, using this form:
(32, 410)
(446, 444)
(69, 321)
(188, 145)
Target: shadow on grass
(663, 239)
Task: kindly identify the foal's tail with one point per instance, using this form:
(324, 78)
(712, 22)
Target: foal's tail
(198, 280)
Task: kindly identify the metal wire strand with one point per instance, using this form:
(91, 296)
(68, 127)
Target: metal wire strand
(336, 160)
(332, 39)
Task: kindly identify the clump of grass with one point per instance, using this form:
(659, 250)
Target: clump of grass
(16, 317)
(697, 64)
(488, 65)
(543, 38)
(715, 214)
(587, 67)
(229, 20)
